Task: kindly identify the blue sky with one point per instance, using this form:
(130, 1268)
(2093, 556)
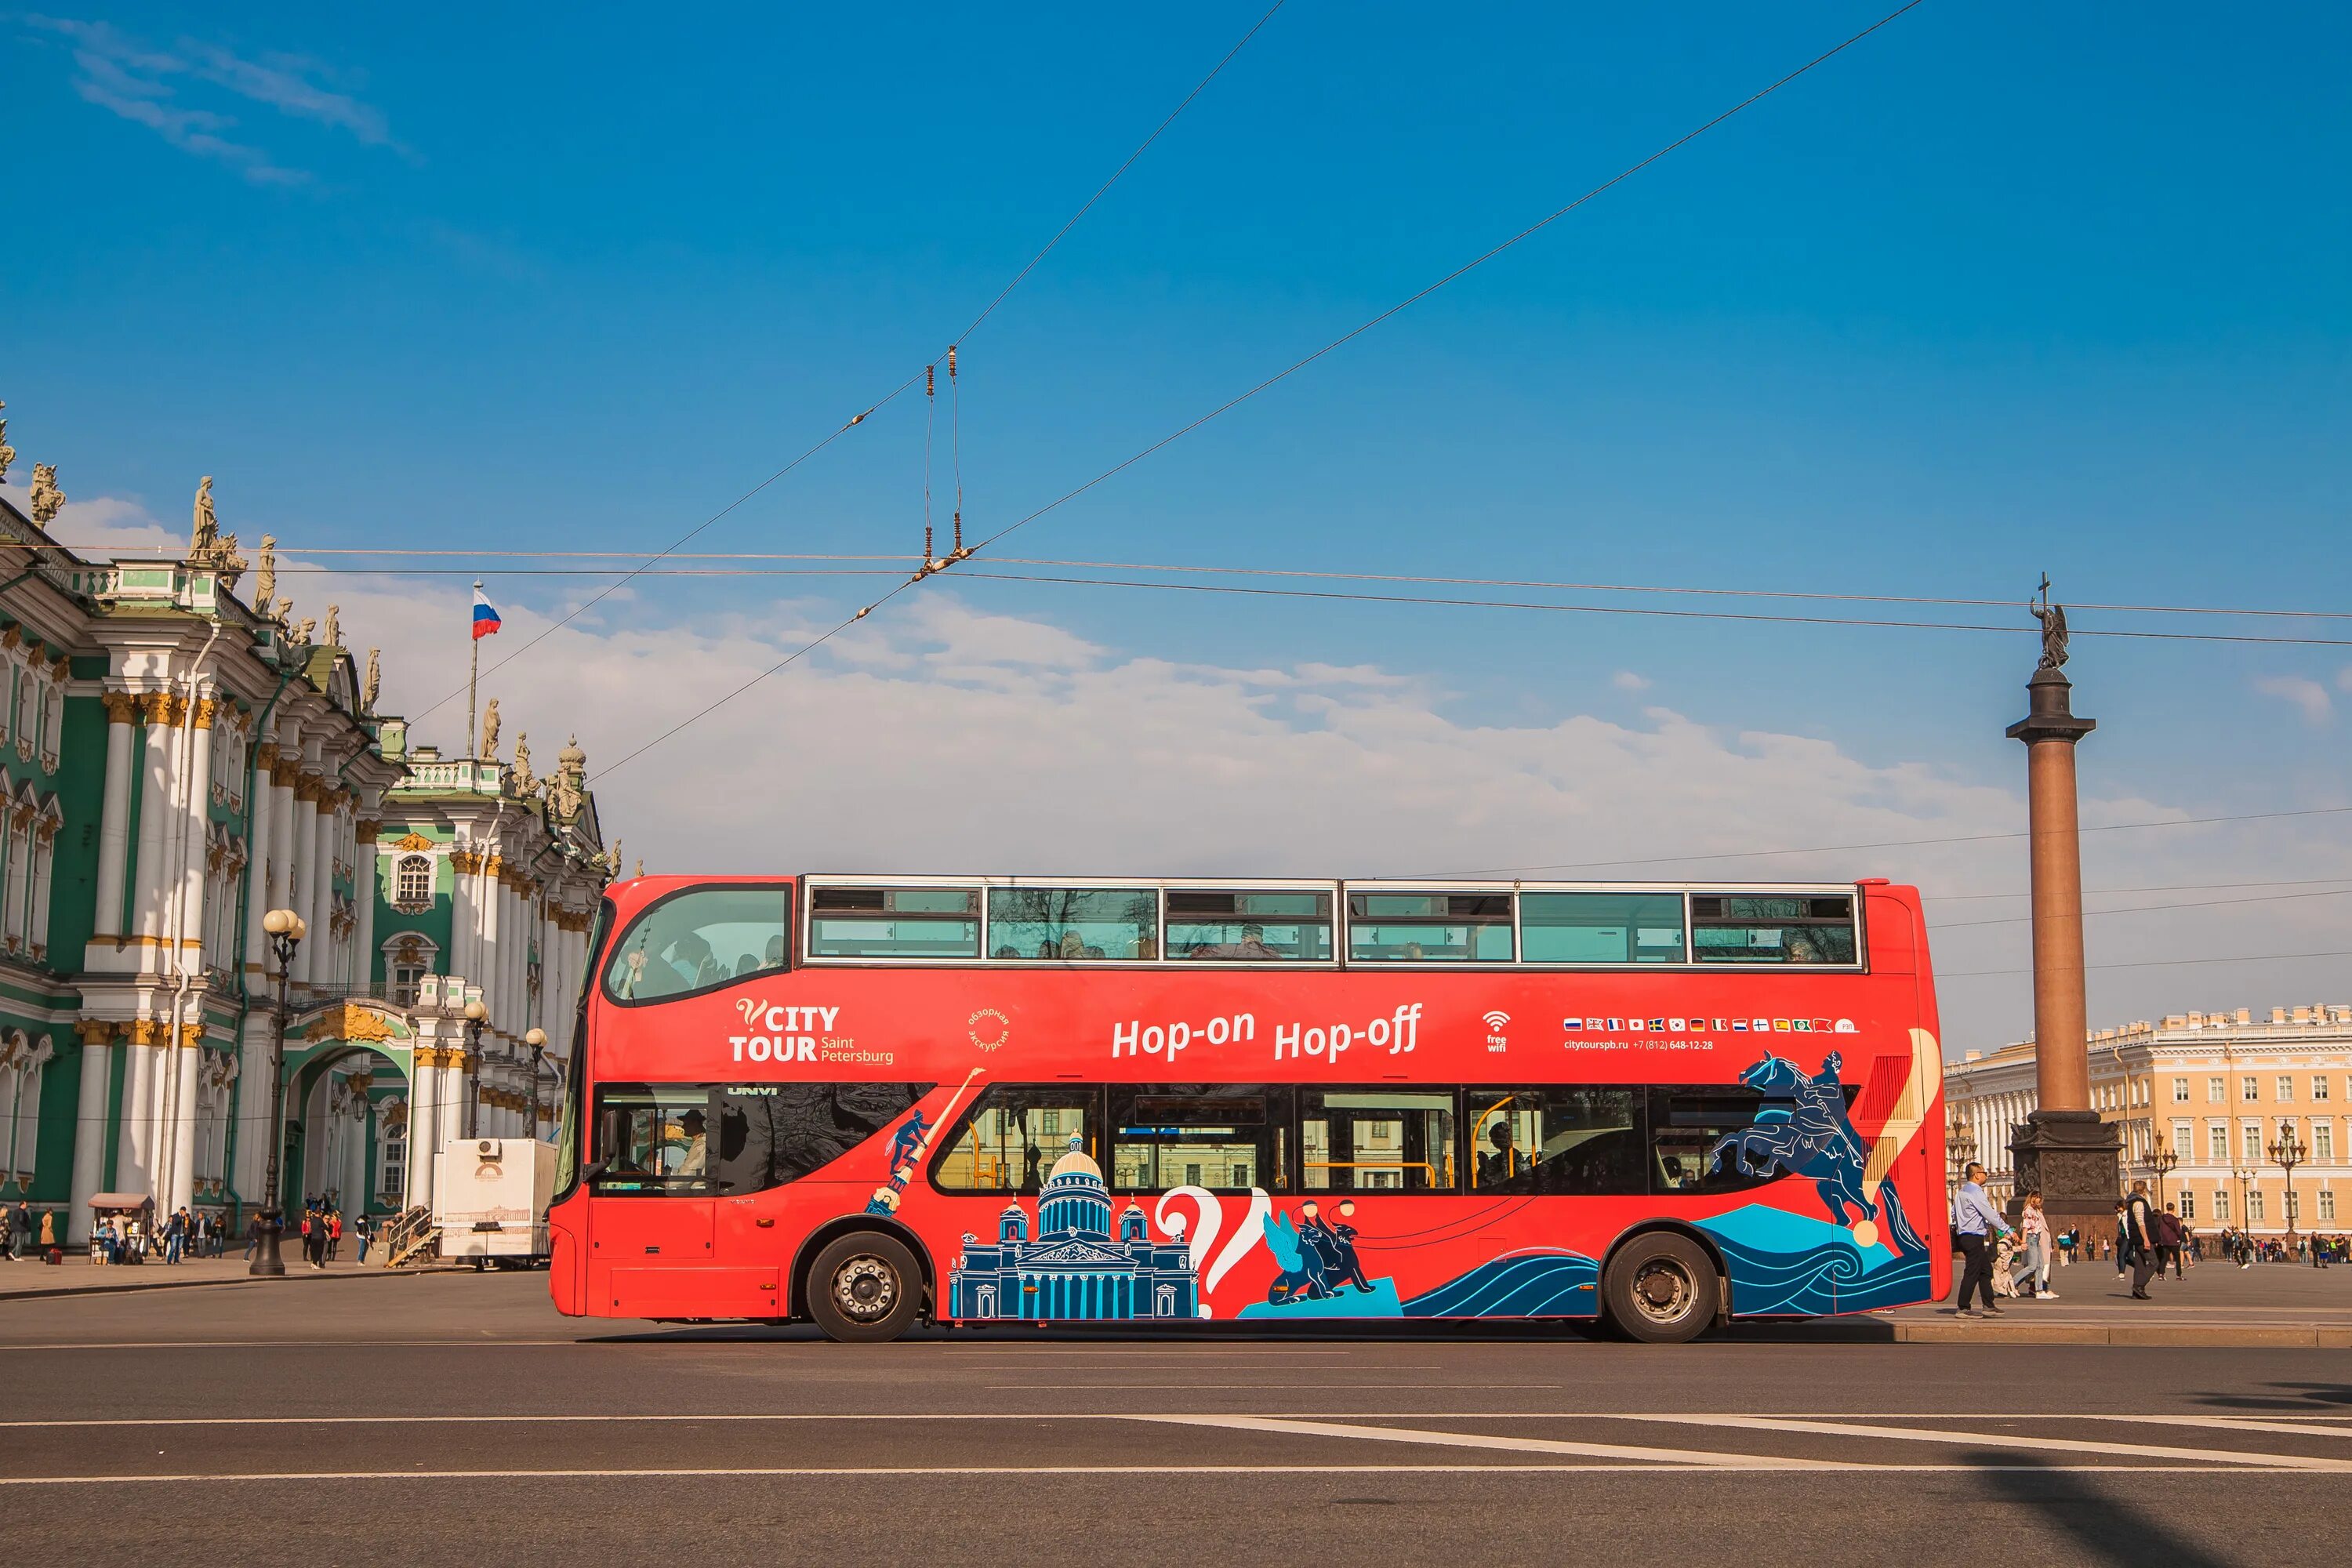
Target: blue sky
(2003, 289)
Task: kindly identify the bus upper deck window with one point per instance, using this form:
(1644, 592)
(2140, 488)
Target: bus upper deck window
(1429, 928)
(1776, 928)
(1251, 925)
(1071, 924)
(1601, 928)
(699, 939)
(894, 922)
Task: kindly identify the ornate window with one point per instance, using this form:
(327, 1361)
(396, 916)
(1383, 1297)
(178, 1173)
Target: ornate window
(412, 883)
(53, 716)
(44, 847)
(21, 1064)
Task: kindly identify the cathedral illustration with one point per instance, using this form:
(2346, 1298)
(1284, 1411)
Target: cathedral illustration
(1073, 1270)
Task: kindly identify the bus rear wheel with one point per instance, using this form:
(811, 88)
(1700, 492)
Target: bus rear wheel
(1660, 1289)
(865, 1288)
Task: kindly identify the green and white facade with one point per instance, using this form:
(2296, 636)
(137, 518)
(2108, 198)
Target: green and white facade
(176, 765)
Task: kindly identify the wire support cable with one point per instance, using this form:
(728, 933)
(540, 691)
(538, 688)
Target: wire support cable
(1335, 595)
(1464, 270)
(1890, 843)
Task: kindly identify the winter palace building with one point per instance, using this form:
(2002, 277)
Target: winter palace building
(2198, 1100)
(176, 762)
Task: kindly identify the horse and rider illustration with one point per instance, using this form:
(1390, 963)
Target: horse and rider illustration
(1803, 1129)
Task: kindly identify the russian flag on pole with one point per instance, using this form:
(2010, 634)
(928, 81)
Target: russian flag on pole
(486, 620)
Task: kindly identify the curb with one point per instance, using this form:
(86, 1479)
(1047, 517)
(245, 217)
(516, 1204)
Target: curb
(52, 1293)
(2145, 1335)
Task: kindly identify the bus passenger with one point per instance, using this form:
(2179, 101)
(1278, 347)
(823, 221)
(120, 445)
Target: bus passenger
(1252, 943)
(1799, 949)
(1500, 1166)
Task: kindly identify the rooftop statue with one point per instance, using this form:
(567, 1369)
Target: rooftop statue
(47, 500)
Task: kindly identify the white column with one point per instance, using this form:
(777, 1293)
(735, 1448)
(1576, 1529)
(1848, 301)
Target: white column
(461, 912)
(89, 1125)
(423, 1116)
(114, 821)
(259, 837)
(304, 873)
(491, 894)
(194, 831)
(134, 1160)
(150, 877)
(366, 870)
(187, 1059)
(318, 851)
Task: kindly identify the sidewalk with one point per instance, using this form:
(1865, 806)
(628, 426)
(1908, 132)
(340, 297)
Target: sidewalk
(29, 1279)
(2279, 1304)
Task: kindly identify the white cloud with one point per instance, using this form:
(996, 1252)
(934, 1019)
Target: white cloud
(2343, 678)
(2306, 694)
(1626, 680)
(141, 83)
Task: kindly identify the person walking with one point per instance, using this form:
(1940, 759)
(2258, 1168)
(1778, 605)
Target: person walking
(2140, 1240)
(18, 1223)
(363, 1232)
(334, 1233)
(2170, 1242)
(2033, 1259)
(1975, 1224)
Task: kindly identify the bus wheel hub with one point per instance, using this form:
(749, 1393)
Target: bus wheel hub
(1663, 1289)
(865, 1288)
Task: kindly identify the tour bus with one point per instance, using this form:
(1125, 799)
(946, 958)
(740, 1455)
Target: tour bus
(872, 1102)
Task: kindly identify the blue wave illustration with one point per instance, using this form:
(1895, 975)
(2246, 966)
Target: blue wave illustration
(1787, 1264)
(1526, 1285)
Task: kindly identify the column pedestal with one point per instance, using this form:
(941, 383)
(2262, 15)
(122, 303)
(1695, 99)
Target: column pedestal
(2071, 1158)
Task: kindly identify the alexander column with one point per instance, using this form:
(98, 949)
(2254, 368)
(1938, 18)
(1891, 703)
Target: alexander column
(2064, 1151)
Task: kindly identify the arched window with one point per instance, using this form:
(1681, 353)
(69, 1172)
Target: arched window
(412, 883)
(21, 1061)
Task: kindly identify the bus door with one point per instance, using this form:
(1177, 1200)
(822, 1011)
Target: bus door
(650, 1213)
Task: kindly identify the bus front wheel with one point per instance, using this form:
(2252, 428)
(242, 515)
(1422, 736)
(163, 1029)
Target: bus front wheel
(1660, 1289)
(863, 1288)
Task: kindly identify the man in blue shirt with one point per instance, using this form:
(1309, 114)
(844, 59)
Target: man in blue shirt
(1975, 1226)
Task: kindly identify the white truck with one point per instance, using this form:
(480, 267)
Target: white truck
(489, 1199)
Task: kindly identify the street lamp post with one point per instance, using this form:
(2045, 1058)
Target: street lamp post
(536, 1039)
(286, 930)
(1960, 1143)
(2162, 1163)
(2244, 1176)
(2286, 1153)
(476, 1016)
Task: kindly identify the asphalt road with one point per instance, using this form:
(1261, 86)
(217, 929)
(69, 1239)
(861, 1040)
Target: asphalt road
(455, 1418)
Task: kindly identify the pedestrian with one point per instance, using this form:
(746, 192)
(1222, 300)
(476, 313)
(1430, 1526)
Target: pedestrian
(334, 1233)
(2123, 1237)
(1975, 1226)
(2034, 1257)
(176, 1235)
(2139, 1240)
(19, 1224)
(253, 1235)
(2169, 1238)
(363, 1232)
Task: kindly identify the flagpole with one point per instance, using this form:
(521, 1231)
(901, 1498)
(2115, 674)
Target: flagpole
(473, 671)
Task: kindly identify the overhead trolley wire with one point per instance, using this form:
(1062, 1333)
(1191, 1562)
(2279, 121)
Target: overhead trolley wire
(1339, 595)
(1885, 843)
(2144, 908)
(1146, 566)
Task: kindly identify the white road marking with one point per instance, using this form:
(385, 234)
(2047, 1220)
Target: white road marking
(1245, 1471)
(2249, 1424)
(1996, 1440)
(1290, 1427)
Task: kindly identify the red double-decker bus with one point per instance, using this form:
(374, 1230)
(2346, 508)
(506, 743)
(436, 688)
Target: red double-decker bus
(873, 1101)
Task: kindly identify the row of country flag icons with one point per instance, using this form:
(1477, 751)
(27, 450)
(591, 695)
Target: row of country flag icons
(1722, 1025)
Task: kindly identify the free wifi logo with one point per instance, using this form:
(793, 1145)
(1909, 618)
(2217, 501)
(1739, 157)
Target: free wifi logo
(1497, 1020)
